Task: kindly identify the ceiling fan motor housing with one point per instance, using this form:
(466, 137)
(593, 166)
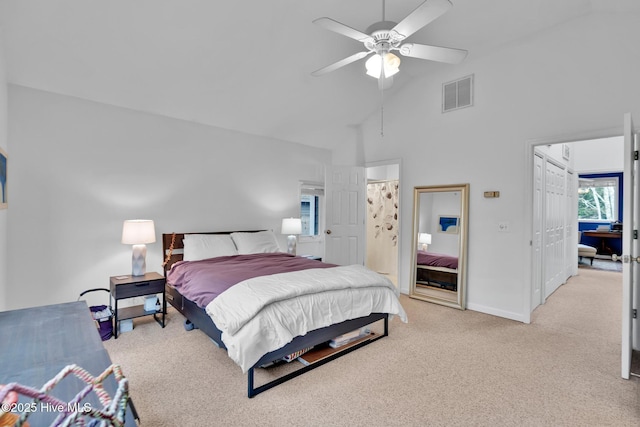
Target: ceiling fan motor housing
(382, 36)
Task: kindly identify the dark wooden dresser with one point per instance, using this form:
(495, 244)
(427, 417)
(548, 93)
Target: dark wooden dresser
(37, 343)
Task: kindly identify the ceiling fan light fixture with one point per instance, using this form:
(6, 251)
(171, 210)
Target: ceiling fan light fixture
(373, 66)
(390, 61)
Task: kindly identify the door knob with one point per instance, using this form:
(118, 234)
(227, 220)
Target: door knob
(625, 258)
(328, 231)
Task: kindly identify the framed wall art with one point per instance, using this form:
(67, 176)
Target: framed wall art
(448, 224)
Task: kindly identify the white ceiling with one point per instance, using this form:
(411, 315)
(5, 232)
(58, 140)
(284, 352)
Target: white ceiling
(245, 65)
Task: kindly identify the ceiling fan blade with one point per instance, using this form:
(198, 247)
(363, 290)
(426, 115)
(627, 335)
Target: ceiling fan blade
(421, 16)
(341, 63)
(433, 53)
(345, 30)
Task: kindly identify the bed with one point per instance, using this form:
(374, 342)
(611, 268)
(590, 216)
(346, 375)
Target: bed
(437, 270)
(208, 278)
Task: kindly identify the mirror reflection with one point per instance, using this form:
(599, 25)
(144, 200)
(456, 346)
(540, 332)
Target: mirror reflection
(439, 248)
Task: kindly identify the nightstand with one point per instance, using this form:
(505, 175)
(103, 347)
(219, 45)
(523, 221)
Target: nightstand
(128, 286)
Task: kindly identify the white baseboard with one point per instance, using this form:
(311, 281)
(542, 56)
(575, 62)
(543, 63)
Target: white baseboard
(496, 312)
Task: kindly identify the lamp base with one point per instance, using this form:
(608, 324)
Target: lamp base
(138, 260)
(291, 244)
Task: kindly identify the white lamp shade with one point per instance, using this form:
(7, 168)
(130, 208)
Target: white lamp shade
(138, 231)
(424, 238)
(390, 61)
(291, 226)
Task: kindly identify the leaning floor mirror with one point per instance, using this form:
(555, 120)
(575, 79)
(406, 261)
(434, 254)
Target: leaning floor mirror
(438, 272)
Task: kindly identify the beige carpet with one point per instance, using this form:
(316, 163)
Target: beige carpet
(445, 367)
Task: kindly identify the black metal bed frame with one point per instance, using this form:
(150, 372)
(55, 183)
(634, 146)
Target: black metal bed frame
(436, 278)
(313, 338)
(201, 320)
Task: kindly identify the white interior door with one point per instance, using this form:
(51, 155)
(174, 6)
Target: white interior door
(629, 246)
(571, 226)
(554, 234)
(538, 190)
(345, 190)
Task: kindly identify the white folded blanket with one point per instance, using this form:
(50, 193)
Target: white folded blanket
(263, 314)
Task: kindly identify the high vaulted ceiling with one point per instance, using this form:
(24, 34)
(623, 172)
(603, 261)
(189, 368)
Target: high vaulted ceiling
(245, 65)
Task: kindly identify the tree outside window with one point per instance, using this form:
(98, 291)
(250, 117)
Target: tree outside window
(598, 199)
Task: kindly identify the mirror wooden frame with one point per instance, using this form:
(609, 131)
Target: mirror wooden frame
(455, 299)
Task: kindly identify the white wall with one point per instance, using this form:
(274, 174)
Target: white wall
(599, 155)
(383, 172)
(574, 78)
(4, 145)
(80, 168)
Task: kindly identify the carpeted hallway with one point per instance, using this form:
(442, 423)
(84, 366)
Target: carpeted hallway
(445, 367)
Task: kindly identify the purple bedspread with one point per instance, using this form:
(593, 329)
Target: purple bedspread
(202, 281)
(437, 260)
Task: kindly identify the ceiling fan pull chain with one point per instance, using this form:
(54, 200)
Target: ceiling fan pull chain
(382, 113)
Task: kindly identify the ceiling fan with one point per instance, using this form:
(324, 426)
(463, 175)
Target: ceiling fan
(384, 37)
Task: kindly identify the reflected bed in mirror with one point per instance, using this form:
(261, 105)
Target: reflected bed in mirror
(437, 270)
(440, 244)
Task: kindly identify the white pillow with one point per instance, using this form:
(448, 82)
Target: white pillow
(203, 246)
(256, 243)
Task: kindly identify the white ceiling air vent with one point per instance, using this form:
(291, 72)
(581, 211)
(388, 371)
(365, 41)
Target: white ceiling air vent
(457, 94)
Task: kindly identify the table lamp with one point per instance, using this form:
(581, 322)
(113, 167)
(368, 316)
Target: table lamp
(291, 227)
(424, 239)
(138, 232)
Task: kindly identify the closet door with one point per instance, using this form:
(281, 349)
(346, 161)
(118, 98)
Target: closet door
(554, 234)
(538, 227)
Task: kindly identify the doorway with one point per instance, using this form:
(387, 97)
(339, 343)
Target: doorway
(556, 168)
(382, 214)
(630, 247)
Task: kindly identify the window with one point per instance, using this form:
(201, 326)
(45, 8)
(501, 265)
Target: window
(598, 199)
(311, 195)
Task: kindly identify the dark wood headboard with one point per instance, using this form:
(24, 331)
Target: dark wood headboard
(175, 253)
